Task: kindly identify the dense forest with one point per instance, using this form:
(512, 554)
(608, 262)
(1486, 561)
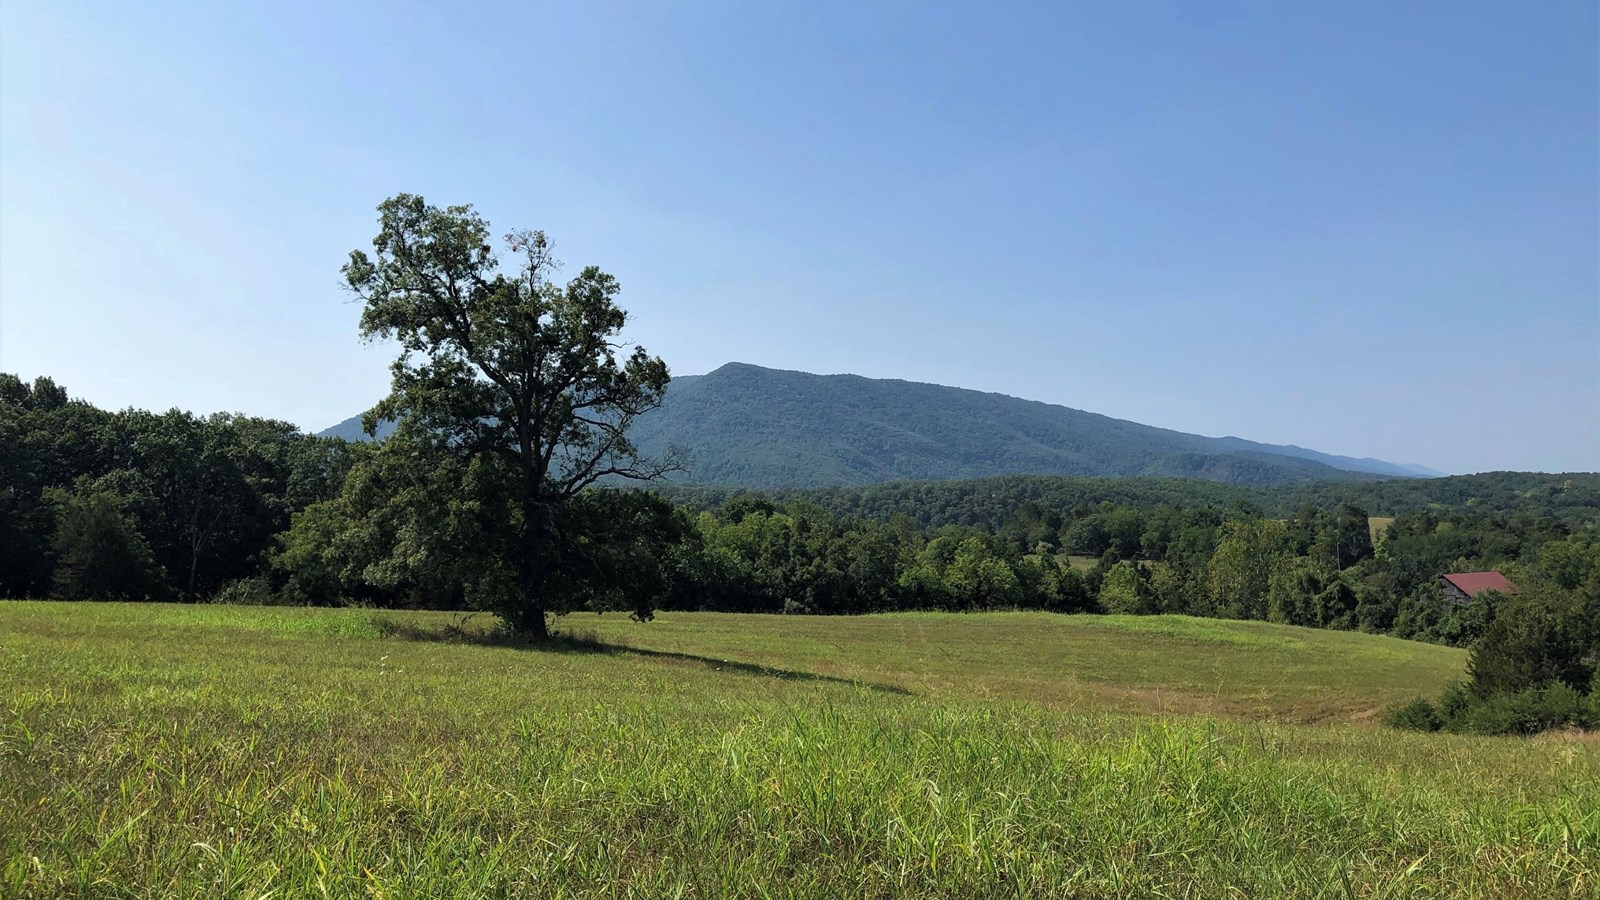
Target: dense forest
(1573, 498)
(138, 505)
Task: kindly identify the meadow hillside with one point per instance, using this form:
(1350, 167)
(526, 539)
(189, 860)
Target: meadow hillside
(237, 751)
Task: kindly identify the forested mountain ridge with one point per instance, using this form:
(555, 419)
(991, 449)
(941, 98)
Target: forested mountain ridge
(753, 427)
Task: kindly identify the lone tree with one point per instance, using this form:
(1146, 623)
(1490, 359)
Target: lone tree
(515, 379)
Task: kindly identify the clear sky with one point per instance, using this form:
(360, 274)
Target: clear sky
(1366, 228)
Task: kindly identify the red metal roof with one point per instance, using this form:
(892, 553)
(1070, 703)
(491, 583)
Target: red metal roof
(1474, 583)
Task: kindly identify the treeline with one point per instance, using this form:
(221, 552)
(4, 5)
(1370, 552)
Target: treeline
(136, 505)
(172, 506)
(1573, 498)
(1320, 568)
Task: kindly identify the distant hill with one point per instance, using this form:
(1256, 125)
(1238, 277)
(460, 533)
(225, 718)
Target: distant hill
(748, 426)
(350, 430)
(1348, 463)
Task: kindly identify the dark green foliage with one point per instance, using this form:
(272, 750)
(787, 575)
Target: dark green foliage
(1346, 538)
(515, 383)
(1058, 586)
(1539, 637)
(619, 550)
(98, 551)
(1240, 572)
(1572, 561)
(205, 495)
(253, 591)
(1531, 497)
(1533, 668)
(1454, 701)
(1307, 591)
(1554, 706)
(1523, 712)
(1418, 715)
(25, 528)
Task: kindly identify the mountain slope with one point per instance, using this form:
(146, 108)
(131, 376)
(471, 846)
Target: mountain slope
(1349, 463)
(748, 426)
(350, 429)
(754, 427)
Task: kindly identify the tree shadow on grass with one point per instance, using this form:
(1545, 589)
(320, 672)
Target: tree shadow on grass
(462, 631)
(756, 669)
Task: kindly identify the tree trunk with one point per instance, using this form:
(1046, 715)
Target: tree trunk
(532, 612)
(538, 630)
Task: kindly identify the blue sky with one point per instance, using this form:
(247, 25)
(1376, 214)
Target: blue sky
(1367, 228)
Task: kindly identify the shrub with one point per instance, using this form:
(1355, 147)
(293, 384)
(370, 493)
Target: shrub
(1454, 702)
(1525, 712)
(256, 591)
(1418, 715)
(1536, 638)
(1492, 715)
(1557, 706)
(1460, 710)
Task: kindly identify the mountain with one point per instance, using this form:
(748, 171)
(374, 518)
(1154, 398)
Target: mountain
(350, 430)
(748, 426)
(1348, 463)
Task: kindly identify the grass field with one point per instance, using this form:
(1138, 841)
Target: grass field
(231, 751)
(1082, 563)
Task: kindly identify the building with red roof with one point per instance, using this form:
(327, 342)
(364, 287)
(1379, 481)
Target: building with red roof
(1463, 586)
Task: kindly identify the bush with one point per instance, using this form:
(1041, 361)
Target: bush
(1557, 706)
(1536, 638)
(1494, 715)
(1454, 702)
(1525, 712)
(1418, 715)
(1460, 710)
(256, 591)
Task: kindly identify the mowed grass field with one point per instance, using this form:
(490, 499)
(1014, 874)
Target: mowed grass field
(248, 752)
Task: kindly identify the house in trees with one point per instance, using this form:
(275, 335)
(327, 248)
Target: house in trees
(1461, 587)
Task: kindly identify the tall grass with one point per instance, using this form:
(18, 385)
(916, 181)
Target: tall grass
(192, 751)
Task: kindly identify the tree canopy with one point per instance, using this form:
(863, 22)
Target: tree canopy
(521, 382)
